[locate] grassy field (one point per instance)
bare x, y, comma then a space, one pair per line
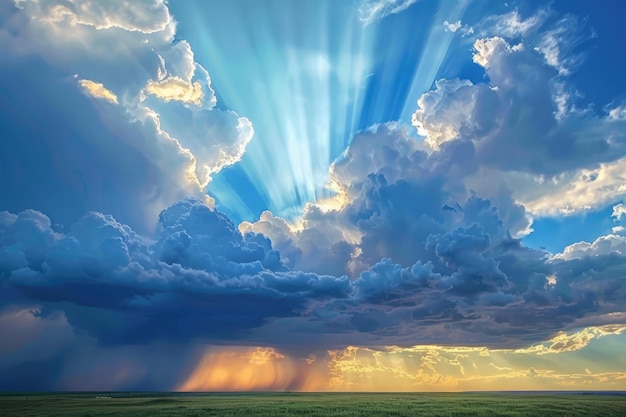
301, 404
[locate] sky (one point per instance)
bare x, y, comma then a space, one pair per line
312, 195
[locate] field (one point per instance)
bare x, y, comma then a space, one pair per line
307, 404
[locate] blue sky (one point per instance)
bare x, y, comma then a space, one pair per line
314, 193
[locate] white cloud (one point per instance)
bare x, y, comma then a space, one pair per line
147, 16
489, 51
175, 88
452, 27
618, 113
442, 113
618, 211
129, 47
604, 245
555, 39
372, 10
558, 45
516, 122
567, 193
98, 90
512, 24
549, 47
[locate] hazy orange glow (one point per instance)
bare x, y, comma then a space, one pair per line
250, 369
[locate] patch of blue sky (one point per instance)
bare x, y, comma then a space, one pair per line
434, 49
229, 189
602, 32
555, 233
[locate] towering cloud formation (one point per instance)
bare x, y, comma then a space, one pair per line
420, 245
429, 261
156, 102
525, 127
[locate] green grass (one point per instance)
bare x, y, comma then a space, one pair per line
306, 404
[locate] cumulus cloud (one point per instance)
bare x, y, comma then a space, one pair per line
441, 120
604, 245
164, 103
448, 255
570, 192
453, 265
200, 260
534, 140
421, 247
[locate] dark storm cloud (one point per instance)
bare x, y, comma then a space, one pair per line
432, 262
201, 278
436, 263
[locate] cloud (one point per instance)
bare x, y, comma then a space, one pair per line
618, 211
382, 174
47, 354
461, 368
175, 88
564, 342
604, 245
424, 248
201, 269
440, 121
421, 246
22, 327
513, 25
559, 45
570, 192
103, 267
452, 27
430, 262
617, 113
163, 121
147, 16
372, 10
98, 90
555, 157
429, 257
215, 138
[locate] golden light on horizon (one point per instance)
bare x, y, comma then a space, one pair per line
252, 369
559, 363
